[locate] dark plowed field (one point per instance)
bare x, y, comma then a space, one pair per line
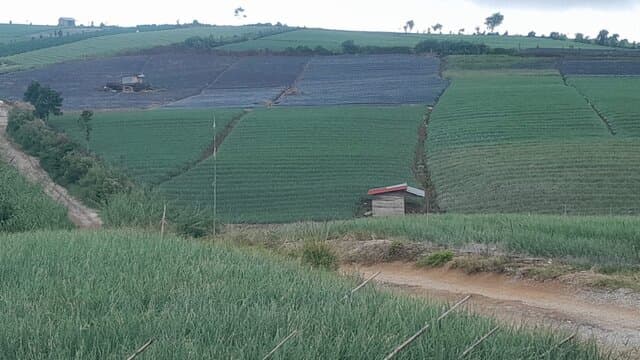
601, 67
374, 79
207, 80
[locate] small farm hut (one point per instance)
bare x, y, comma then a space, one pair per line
395, 200
66, 22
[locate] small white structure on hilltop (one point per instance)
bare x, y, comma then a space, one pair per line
66, 22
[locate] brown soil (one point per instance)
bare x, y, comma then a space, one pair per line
29, 167
611, 319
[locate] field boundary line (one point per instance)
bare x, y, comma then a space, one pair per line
211, 149
293, 86
608, 123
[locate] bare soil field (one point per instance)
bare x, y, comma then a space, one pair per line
202, 80
601, 67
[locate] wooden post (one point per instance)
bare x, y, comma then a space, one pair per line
142, 349
475, 344
361, 285
397, 350
163, 221
293, 333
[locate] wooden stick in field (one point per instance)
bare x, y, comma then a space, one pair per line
401, 347
475, 344
361, 285
567, 339
164, 220
293, 333
142, 349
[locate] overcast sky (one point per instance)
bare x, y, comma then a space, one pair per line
521, 16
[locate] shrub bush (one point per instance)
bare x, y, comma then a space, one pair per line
319, 254
435, 259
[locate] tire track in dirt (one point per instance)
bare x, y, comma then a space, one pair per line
29, 166
615, 324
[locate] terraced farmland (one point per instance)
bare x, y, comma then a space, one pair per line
601, 67
286, 164
527, 143
368, 79
333, 39
113, 44
21, 32
150, 145
617, 97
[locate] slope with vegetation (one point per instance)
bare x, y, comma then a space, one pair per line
102, 295
25, 207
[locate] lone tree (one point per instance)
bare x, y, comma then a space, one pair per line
45, 100
603, 37
494, 21
239, 12
408, 26
437, 27
84, 122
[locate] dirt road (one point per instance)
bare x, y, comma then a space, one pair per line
613, 319
29, 167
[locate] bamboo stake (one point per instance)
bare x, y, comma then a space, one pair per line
361, 285
470, 349
293, 333
164, 220
141, 350
397, 350
559, 344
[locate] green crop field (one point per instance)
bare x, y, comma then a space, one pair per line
25, 207
69, 295
332, 40
287, 164
113, 44
618, 97
21, 32
527, 143
149, 145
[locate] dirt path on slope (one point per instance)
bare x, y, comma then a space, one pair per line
614, 321
29, 167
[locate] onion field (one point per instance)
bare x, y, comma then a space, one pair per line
287, 164
25, 206
527, 143
149, 145
333, 39
617, 97
103, 294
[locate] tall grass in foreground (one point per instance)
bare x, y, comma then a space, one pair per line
24, 206
103, 294
588, 240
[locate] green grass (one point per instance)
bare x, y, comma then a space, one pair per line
332, 40
113, 44
582, 240
615, 96
288, 164
25, 207
491, 62
21, 32
508, 143
71, 295
149, 145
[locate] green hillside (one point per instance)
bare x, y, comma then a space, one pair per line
149, 145
288, 164
21, 32
527, 143
104, 294
333, 39
25, 207
113, 44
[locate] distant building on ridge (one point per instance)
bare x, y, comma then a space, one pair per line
66, 22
